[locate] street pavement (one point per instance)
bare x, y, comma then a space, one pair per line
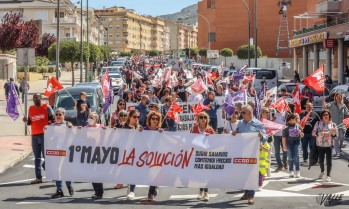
279, 191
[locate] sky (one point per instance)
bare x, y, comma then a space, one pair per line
147, 7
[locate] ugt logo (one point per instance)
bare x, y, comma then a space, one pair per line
329, 199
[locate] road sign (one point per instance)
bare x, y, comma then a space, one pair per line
26, 56
213, 54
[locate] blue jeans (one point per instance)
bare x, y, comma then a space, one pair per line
81, 122
173, 129
278, 147
203, 189
38, 150
293, 154
307, 140
59, 184
23, 96
213, 123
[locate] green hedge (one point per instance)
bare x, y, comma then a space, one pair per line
37, 69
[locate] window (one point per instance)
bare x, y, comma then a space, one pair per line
110, 35
42, 15
110, 19
212, 36
110, 27
117, 34
117, 19
61, 14
117, 27
105, 35
103, 19
110, 42
67, 34
105, 43
211, 4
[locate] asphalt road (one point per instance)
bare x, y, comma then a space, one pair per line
279, 192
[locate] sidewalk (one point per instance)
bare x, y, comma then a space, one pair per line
14, 145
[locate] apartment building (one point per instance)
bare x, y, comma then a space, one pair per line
45, 12
167, 46
128, 31
182, 36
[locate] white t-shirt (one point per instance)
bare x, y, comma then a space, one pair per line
231, 126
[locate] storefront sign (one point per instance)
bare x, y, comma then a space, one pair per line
320, 37
329, 43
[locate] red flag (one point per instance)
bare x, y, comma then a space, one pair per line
304, 120
173, 112
281, 105
271, 127
248, 79
53, 86
209, 81
198, 87
199, 107
346, 122
316, 80
105, 84
296, 99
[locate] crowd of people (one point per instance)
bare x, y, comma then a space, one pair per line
319, 133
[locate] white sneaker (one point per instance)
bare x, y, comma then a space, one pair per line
291, 174
200, 195
259, 189
269, 172
206, 197
130, 196
321, 175
297, 174
328, 179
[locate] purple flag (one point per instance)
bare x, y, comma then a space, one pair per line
109, 100
238, 77
12, 102
261, 93
228, 109
239, 96
243, 70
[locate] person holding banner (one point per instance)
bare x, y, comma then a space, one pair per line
120, 105
92, 121
153, 124
202, 127
325, 132
122, 119
339, 112
39, 116
249, 124
83, 108
232, 124
59, 121
291, 137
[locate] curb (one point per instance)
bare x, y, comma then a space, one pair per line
19, 158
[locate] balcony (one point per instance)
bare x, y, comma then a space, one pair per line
332, 23
65, 20
69, 38
327, 6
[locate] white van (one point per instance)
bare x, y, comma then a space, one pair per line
271, 77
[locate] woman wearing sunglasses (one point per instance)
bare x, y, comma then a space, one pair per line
59, 121
325, 132
233, 123
154, 119
121, 105
202, 127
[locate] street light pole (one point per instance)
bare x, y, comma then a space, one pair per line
81, 35
255, 34
209, 30
57, 44
249, 32
88, 47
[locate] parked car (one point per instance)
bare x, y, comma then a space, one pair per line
119, 63
271, 76
66, 97
117, 81
111, 69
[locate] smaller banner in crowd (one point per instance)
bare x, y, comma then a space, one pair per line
151, 158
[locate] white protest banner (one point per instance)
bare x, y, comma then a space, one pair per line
172, 159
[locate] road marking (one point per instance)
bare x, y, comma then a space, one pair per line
273, 193
20, 181
189, 196
63, 200
28, 166
123, 198
302, 187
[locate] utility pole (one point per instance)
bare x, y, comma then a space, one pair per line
255, 35
88, 47
81, 36
249, 33
57, 44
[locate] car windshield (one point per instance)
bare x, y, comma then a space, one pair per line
118, 63
268, 74
111, 70
115, 76
64, 100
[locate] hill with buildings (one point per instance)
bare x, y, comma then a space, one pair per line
187, 15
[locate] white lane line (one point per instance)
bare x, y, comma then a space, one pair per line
189, 196
28, 166
20, 181
273, 193
123, 198
302, 187
63, 200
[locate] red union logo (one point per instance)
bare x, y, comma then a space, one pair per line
56, 152
245, 161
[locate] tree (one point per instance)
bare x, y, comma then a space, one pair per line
125, 54
47, 41
153, 53
203, 52
95, 53
193, 52
226, 52
41, 61
242, 52
15, 33
105, 51
69, 52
